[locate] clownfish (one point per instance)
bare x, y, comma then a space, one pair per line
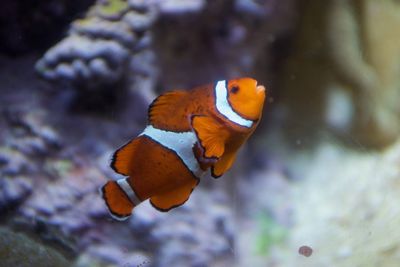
188, 132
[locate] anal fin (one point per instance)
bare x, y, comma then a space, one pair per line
172, 199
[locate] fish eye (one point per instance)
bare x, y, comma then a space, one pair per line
234, 89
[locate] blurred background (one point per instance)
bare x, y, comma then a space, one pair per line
321, 172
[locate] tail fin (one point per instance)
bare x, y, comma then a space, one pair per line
117, 201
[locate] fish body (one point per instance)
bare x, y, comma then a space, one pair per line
188, 133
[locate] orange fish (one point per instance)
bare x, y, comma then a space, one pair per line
188, 133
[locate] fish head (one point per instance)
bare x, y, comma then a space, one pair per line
246, 97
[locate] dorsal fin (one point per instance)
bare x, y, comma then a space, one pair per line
166, 111
211, 135
122, 157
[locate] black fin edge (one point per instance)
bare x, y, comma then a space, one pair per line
119, 217
114, 157
172, 207
213, 174
199, 141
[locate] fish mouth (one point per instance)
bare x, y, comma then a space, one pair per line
260, 88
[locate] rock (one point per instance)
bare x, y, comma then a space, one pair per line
116, 256
16, 249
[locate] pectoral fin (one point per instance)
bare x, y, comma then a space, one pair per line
223, 164
211, 135
172, 199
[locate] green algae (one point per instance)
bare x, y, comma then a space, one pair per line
113, 7
59, 168
270, 233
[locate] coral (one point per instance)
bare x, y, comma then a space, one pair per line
100, 48
28, 134
26, 138
134, 43
179, 7
13, 191
113, 7
65, 203
341, 51
204, 224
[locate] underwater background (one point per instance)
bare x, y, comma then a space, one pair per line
318, 184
